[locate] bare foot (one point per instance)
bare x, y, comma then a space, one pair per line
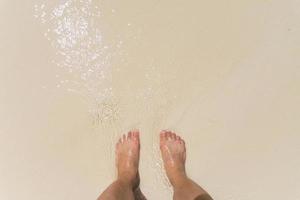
174, 155
127, 159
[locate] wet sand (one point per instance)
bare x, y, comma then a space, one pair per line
225, 76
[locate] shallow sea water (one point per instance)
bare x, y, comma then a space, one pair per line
76, 74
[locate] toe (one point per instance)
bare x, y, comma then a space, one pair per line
163, 138
129, 135
163, 135
136, 135
183, 142
168, 135
173, 136
123, 138
118, 144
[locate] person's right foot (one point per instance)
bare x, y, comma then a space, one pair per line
173, 154
127, 158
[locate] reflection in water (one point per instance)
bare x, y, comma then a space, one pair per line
71, 27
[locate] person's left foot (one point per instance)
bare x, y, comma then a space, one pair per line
127, 158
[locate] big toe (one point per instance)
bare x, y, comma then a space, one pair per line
164, 136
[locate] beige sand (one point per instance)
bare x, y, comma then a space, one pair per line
224, 75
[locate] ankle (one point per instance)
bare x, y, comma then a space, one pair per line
178, 179
129, 179
125, 181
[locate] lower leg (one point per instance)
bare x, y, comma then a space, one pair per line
186, 189
122, 190
138, 195
118, 190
